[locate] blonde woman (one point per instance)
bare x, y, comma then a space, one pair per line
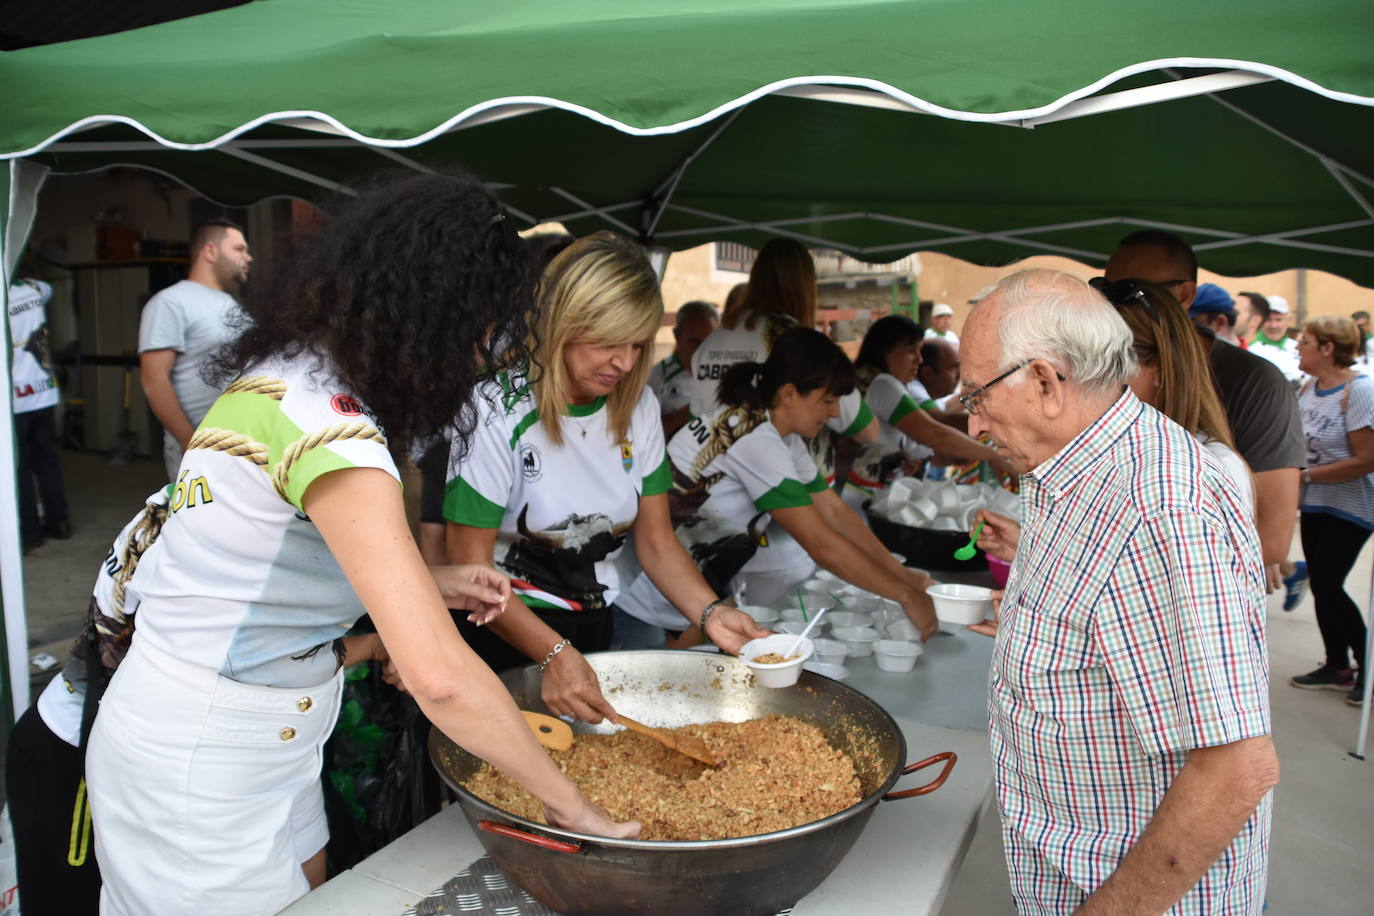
568, 460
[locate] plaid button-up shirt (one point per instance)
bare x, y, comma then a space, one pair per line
1131, 630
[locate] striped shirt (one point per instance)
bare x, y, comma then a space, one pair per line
1326, 424
1131, 630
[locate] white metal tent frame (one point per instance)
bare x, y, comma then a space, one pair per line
836, 89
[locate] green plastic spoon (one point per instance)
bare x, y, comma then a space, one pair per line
968, 550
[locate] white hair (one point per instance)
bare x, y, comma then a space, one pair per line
1055, 316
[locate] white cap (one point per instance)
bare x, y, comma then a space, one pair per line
940, 310
1278, 304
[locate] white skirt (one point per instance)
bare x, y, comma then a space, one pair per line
205, 792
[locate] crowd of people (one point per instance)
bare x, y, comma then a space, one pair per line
579, 495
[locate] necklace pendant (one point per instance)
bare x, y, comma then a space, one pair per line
584, 434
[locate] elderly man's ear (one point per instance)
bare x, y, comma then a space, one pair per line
1049, 388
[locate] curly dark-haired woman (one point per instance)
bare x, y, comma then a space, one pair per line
287, 524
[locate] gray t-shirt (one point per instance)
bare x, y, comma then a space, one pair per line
193, 320
1260, 407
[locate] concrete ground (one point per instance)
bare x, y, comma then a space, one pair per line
1322, 851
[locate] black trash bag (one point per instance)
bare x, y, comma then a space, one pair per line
378, 782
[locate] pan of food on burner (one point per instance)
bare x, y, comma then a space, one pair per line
802, 770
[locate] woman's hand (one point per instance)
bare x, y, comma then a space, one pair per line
473, 587
593, 819
570, 688
730, 628
989, 627
1000, 535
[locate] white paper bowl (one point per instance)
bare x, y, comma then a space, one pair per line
794, 627
860, 640
829, 651
847, 619
793, 616
780, 674
834, 672
965, 604
903, 629
761, 615
896, 654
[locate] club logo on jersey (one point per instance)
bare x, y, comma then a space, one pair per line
627, 455
531, 463
346, 405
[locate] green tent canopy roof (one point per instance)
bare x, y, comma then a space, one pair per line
987, 129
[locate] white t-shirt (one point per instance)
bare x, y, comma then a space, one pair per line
562, 512
724, 347
1234, 466
1284, 355
890, 402
61, 704
729, 470
947, 335
240, 580
671, 383
1326, 427
193, 320
31, 370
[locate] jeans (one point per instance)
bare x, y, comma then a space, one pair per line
35, 432
1331, 545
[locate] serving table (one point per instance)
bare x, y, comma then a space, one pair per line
904, 862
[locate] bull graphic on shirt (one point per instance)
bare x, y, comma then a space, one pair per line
561, 558
37, 346
717, 546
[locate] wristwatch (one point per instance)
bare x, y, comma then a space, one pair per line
1306, 476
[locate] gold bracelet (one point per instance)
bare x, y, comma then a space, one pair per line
552, 652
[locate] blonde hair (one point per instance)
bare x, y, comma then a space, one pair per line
600, 290
1339, 331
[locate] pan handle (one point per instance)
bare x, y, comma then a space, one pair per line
949, 756
533, 839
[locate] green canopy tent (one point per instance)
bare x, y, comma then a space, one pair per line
987, 129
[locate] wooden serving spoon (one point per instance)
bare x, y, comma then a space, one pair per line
557, 735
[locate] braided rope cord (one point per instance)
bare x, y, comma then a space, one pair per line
266, 385
238, 445
140, 538
342, 432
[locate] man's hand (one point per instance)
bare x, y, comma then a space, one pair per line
1000, 535
1273, 578
730, 628
989, 627
570, 688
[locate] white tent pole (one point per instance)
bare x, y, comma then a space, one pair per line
1358, 752
303, 175
664, 192
591, 210
1338, 174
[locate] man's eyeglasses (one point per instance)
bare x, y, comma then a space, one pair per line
974, 397
1122, 293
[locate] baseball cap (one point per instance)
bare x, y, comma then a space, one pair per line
941, 309
1211, 299
1278, 304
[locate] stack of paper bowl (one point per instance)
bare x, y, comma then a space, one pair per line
897, 655
859, 640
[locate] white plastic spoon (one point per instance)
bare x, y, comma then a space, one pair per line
802, 635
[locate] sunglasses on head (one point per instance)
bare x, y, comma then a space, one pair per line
1122, 293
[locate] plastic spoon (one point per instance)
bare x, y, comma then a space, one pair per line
802, 635
968, 550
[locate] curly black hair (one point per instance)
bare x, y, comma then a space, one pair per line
412, 293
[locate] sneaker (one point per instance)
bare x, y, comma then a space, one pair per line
1325, 678
1293, 586
1356, 696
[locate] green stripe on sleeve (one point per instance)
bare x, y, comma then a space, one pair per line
660, 480
818, 485
929, 404
905, 406
465, 506
787, 495
864, 418
525, 423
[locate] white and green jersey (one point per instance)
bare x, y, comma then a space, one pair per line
730, 470
562, 512
240, 580
890, 402
671, 383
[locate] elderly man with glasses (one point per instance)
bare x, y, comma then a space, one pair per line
1128, 694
